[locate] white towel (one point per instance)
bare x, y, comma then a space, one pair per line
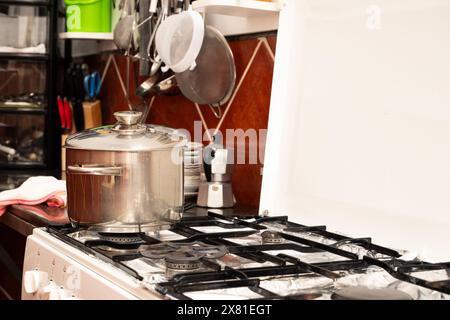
36, 190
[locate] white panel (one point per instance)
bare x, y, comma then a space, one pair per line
359, 126
63, 263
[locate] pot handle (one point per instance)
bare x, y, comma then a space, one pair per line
95, 170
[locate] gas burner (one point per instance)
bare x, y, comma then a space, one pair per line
365, 293
197, 249
158, 251
271, 237
123, 238
182, 261
124, 244
207, 251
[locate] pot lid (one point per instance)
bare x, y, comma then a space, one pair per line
126, 135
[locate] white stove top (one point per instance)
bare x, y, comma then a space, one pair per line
80, 264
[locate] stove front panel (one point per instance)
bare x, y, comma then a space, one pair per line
53, 270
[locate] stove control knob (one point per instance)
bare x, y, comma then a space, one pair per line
45, 291
60, 294
33, 280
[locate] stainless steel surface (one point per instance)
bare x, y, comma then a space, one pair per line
192, 170
128, 117
156, 65
216, 110
95, 170
215, 195
215, 190
213, 79
166, 85
145, 88
365, 293
182, 261
124, 138
151, 87
122, 179
148, 194
123, 32
271, 237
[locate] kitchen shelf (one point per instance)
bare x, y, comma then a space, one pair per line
25, 3
24, 56
39, 77
236, 7
237, 17
23, 165
86, 35
23, 110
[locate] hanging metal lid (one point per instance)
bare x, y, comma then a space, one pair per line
126, 135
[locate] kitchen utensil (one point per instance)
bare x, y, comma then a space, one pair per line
75, 92
166, 86
156, 65
153, 56
145, 90
197, 54
146, 87
62, 114
215, 61
145, 17
123, 32
68, 113
65, 113
9, 152
179, 40
92, 85
126, 177
150, 87
215, 190
192, 170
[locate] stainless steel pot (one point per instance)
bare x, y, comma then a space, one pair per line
125, 178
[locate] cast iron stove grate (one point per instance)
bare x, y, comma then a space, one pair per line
284, 265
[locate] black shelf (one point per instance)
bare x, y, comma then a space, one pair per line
24, 56
24, 110
23, 165
26, 3
52, 132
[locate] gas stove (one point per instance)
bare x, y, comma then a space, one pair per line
225, 257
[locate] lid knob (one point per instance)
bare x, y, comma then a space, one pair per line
128, 118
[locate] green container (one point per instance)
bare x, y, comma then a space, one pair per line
88, 15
